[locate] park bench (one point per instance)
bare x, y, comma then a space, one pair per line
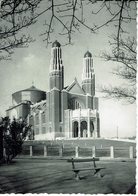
76, 170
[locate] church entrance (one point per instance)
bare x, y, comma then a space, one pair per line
83, 131
75, 129
91, 128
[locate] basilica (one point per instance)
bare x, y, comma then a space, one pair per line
61, 112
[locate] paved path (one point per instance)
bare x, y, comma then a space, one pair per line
55, 176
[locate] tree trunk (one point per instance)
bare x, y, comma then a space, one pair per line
1, 143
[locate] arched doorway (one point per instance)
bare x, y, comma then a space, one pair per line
83, 132
91, 128
75, 129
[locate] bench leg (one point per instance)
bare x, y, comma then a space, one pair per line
77, 177
97, 173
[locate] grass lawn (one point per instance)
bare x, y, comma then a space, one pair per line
104, 143
121, 148
55, 176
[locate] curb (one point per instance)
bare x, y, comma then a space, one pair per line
119, 159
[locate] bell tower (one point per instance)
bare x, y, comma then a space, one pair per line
88, 76
56, 75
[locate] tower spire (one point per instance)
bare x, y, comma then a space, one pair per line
88, 76
56, 67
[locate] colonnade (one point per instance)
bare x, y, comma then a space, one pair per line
84, 123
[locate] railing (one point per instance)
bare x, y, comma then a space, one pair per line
76, 151
83, 113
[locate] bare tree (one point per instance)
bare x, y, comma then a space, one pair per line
126, 69
70, 15
15, 16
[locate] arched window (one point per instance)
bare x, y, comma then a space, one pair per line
91, 128
74, 103
77, 105
31, 120
75, 129
36, 131
43, 117
37, 119
43, 130
83, 129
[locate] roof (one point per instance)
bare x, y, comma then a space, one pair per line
87, 54
14, 106
75, 87
56, 44
32, 88
65, 87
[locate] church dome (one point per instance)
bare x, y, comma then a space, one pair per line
31, 94
56, 44
32, 88
87, 54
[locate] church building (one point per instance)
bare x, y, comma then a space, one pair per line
61, 112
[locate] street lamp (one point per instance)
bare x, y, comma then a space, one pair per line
117, 132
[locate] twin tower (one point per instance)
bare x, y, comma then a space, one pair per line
65, 112
57, 71
71, 111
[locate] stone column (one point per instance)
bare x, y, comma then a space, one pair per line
70, 134
70, 124
40, 122
79, 123
96, 135
77, 151
79, 127
34, 114
88, 124
71, 129
131, 152
93, 151
95, 128
111, 152
31, 151
61, 151
45, 151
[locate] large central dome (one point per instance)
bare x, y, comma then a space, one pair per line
56, 44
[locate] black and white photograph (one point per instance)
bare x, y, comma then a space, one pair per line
68, 72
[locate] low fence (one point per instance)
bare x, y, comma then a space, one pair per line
61, 151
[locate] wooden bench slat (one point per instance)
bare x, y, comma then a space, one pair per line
83, 169
83, 159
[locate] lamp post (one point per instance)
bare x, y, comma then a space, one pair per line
117, 132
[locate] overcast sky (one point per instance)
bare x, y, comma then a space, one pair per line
32, 64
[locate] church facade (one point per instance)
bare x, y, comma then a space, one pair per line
62, 112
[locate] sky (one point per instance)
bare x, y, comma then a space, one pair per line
32, 65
